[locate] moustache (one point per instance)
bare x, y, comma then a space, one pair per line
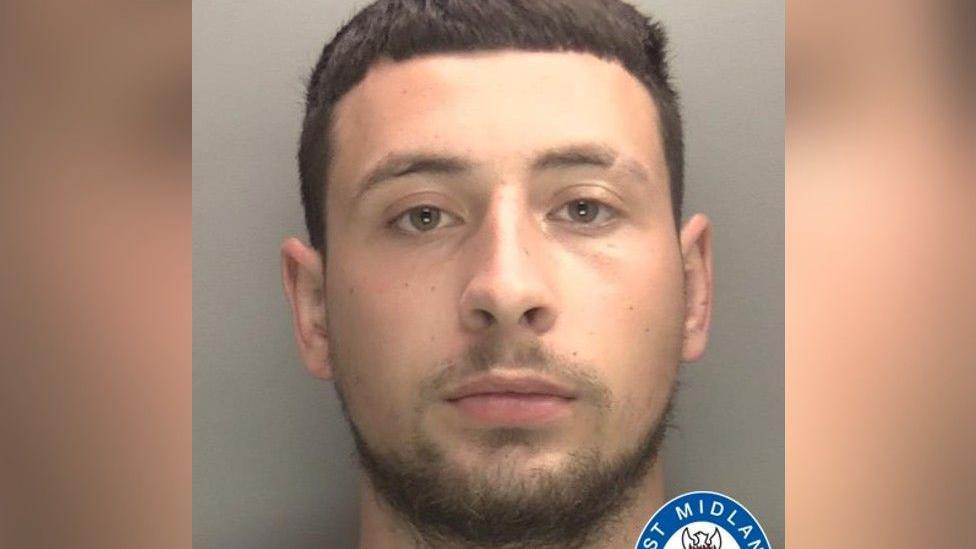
529, 356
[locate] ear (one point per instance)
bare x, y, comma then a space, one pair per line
696, 249
301, 272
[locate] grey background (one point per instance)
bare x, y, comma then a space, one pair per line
272, 459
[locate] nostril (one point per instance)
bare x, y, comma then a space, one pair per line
539, 319
532, 316
484, 317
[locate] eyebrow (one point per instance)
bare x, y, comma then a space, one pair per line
572, 156
400, 164
595, 155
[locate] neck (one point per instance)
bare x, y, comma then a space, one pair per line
382, 528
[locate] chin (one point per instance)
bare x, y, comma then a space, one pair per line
517, 459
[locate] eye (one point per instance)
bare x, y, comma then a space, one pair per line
423, 219
585, 211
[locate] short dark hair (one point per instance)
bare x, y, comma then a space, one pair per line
402, 29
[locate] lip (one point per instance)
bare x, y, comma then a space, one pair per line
512, 399
510, 384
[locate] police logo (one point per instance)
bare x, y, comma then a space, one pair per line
701, 540
702, 520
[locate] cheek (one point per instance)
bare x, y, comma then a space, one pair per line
624, 311
626, 296
648, 348
394, 312
386, 328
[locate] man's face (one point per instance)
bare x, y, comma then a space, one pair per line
503, 279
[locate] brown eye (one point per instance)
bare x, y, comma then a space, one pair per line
422, 219
583, 211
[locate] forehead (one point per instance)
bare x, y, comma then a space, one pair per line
494, 106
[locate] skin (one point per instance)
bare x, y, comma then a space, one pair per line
95, 233
879, 270
624, 296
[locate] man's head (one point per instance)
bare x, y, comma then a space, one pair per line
504, 302
398, 30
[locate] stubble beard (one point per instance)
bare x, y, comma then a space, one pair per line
503, 506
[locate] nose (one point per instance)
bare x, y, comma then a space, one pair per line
508, 282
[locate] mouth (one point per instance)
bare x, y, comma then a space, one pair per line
512, 399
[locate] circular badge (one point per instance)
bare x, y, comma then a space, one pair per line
702, 520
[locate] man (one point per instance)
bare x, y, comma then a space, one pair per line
498, 280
